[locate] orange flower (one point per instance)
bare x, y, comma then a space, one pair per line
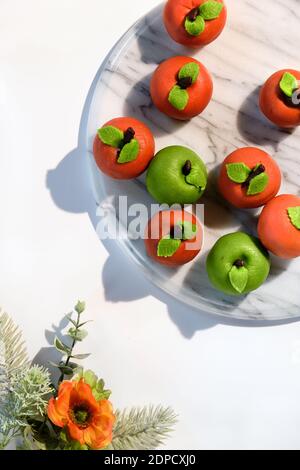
86, 420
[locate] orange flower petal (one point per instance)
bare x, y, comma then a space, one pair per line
82, 393
106, 407
85, 393
89, 436
62, 403
100, 440
55, 417
75, 433
103, 422
95, 439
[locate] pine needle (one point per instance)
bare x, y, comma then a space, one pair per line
142, 428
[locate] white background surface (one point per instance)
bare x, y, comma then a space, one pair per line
233, 385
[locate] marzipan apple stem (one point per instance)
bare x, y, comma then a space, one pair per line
185, 82
239, 263
128, 135
192, 16
255, 172
187, 168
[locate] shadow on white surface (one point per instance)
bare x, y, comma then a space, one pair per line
254, 127
71, 190
47, 355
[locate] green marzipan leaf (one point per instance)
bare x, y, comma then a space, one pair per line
288, 84
294, 215
258, 184
189, 230
211, 10
189, 70
239, 278
196, 178
129, 152
178, 98
167, 247
195, 28
112, 136
238, 172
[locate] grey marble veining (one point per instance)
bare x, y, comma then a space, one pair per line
260, 38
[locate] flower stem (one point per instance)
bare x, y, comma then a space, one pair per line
69, 356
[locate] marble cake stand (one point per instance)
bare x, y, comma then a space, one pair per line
260, 37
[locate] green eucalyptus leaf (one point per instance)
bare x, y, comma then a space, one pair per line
84, 323
211, 10
258, 184
80, 356
72, 365
129, 152
294, 215
61, 347
196, 178
111, 135
191, 70
239, 278
66, 370
80, 307
53, 364
69, 317
195, 28
238, 172
78, 335
189, 230
178, 98
167, 247
288, 84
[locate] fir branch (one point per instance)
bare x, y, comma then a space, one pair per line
142, 428
13, 355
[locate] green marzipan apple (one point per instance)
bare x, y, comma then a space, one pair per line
238, 264
176, 175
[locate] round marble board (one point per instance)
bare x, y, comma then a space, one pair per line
260, 38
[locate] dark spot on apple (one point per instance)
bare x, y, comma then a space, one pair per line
254, 172
239, 263
187, 168
192, 16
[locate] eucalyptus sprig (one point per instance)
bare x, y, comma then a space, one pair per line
77, 334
